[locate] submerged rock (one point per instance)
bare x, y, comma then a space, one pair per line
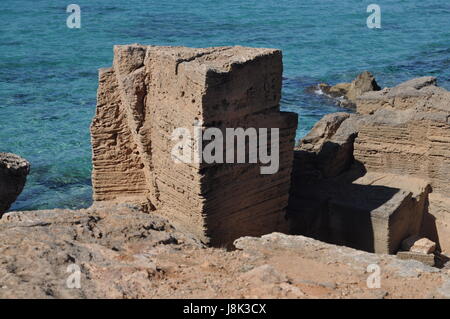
13, 175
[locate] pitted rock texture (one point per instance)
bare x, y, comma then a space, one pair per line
148, 93
124, 253
408, 133
13, 175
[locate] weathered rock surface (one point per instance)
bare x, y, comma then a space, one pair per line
312, 257
329, 152
149, 92
13, 175
421, 245
427, 259
124, 253
407, 142
414, 142
438, 221
364, 82
421, 249
372, 213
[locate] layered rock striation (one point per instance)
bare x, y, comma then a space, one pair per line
150, 92
371, 179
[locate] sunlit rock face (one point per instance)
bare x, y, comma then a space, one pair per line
150, 92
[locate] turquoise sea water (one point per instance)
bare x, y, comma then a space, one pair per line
48, 72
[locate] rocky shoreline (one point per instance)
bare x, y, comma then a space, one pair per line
367, 183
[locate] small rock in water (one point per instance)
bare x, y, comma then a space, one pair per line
13, 175
265, 274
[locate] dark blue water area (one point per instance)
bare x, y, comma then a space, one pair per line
48, 72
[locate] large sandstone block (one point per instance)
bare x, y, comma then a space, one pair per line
151, 91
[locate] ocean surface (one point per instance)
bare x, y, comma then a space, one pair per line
48, 72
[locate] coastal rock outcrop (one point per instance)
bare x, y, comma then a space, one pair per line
421, 94
347, 94
392, 157
111, 246
13, 175
152, 91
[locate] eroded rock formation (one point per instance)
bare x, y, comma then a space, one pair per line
372, 179
13, 175
151, 91
123, 253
